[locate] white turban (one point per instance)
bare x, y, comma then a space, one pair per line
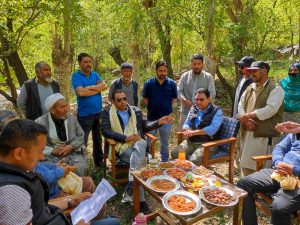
52, 99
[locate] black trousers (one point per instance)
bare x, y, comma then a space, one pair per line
284, 204
88, 124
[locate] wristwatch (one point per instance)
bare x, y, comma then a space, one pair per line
69, 202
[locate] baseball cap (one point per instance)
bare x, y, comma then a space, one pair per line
259, 65
245, 61
126, 65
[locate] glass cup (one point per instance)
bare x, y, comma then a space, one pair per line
181, 154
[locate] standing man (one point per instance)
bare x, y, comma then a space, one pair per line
159, 94
125, 83
34, 92
88, 86
260, 109
190, 82
244, 82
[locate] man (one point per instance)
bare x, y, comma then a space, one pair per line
244, 82
260, 109
23, 195
88, 86
125, 83
202, 123
159, 94
31, 100
65, 138
125, 124
285, 160
190, 82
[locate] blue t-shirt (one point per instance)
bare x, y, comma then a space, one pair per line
160, 97
87, 105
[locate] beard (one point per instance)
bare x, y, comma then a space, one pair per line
48, 79
197, 71
161, 77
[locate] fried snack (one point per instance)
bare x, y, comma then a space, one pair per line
184, 164
286, 182
146, 174
178, 203
162, 185
218, 196
201, 170
165, 165
176, 173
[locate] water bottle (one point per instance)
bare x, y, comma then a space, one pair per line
140, 219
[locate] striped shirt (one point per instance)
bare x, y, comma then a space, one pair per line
15, 206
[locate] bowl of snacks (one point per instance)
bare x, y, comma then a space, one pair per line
165, 165
219, 196
177, 173
202, 171
184, 164
181, 202
147, 173
163, 184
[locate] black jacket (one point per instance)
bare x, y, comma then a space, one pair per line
33, 103
43, 214
142, 125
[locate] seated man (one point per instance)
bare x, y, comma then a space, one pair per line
65, 139
285, 160
22, 193
201, 126
125, 124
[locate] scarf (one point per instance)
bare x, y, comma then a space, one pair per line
291, 87
129, 129
53, 133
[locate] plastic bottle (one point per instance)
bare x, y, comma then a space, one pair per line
140, 219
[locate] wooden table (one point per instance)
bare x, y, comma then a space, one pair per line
206, 209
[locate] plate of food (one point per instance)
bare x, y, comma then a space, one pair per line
201, 170
193, 182
184, 164
219, 196
163, 184
148, 173
177, 173
181, 202
165, 165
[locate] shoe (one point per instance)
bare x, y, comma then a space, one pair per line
128, 195
144, 208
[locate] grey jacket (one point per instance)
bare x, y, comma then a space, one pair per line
75, 132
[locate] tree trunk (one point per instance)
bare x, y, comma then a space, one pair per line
115, 53
62, 53
225, 84
135, 52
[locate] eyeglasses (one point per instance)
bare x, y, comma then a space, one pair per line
199, 99
121, 99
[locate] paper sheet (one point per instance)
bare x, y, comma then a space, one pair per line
89, 208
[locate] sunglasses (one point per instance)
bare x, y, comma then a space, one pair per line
199, 99
121, 99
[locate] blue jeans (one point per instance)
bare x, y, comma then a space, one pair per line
88, 124
164, 133
109, 221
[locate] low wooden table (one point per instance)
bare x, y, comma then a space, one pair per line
206, 209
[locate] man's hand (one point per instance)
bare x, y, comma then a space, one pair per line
285, 168
81, 222
165, 120
288, 127
67, 149
61, 163
56, 151
67, 170
76, 199
133, 138
247, 116
189, 133
250, 125
187, 103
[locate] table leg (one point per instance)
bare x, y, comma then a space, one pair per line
237, 212
136, 197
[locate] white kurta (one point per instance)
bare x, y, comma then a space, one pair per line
250, 145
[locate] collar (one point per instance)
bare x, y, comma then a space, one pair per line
125, 83
255, 86
83, 74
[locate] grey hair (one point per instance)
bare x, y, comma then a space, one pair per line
38, 65
6, 115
